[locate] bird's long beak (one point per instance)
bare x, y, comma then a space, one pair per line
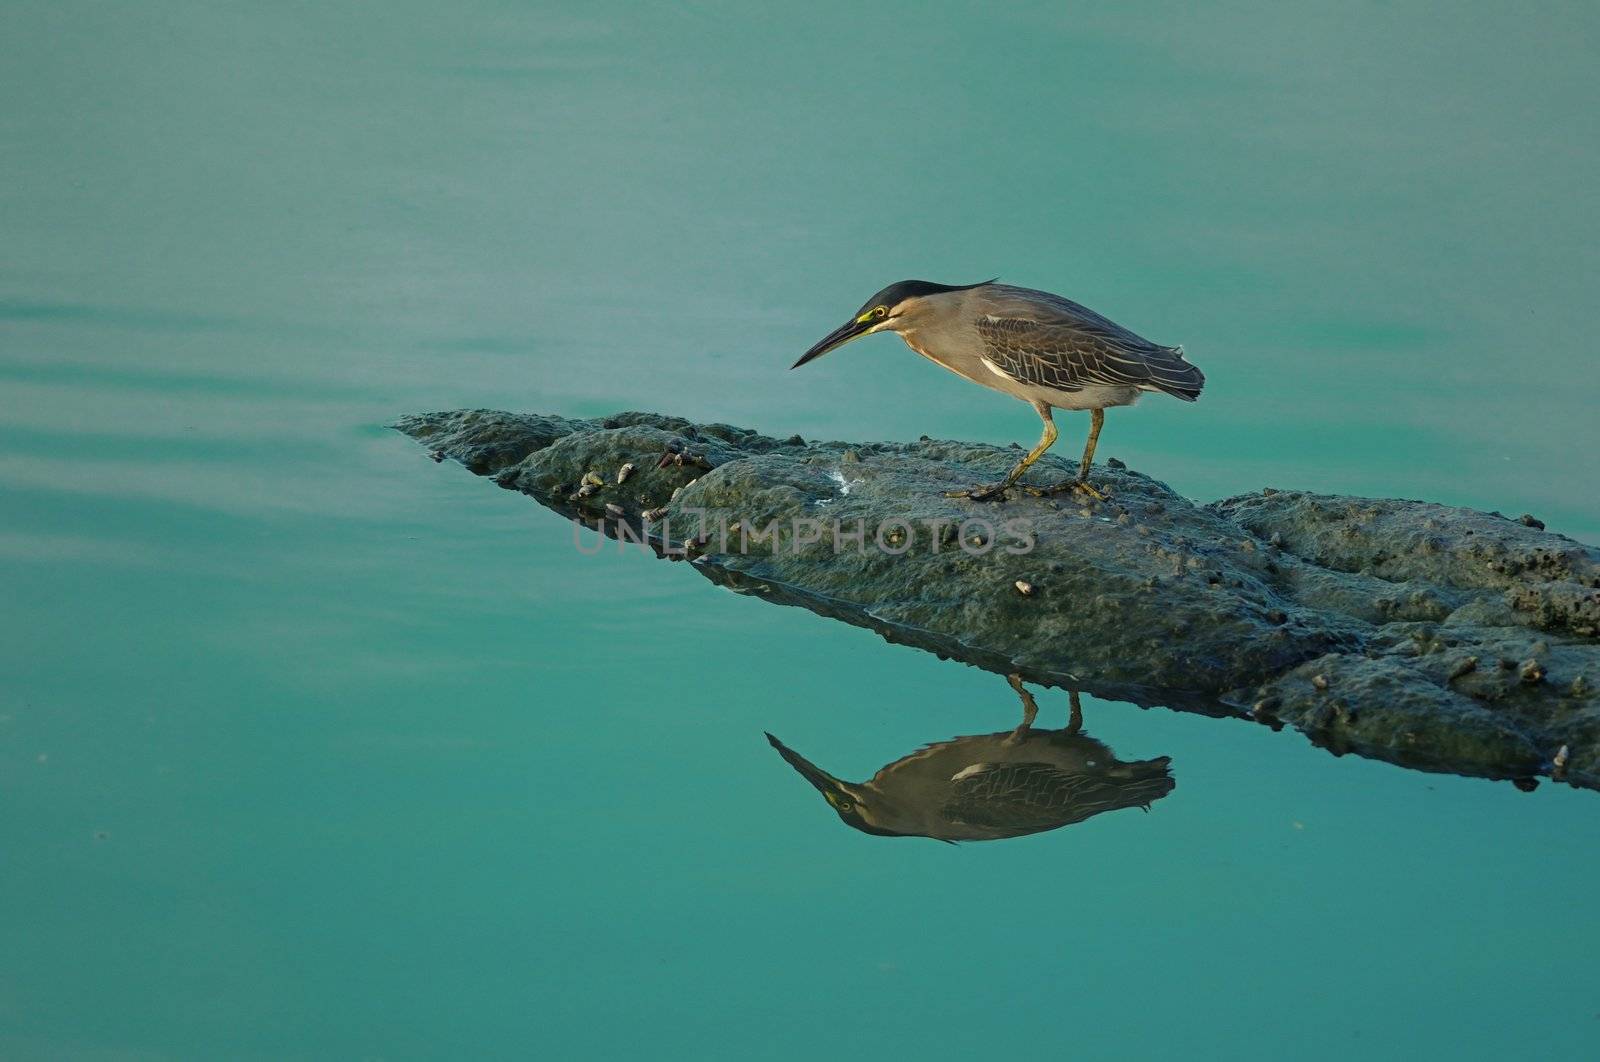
836, 338
826, 784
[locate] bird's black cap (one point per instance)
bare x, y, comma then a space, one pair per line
915, 289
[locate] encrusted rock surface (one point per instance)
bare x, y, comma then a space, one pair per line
1436, 637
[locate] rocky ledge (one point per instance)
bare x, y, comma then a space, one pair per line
1435, 637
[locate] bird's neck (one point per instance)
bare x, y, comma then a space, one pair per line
910, 336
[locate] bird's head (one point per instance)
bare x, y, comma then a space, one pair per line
851, 802
889, 309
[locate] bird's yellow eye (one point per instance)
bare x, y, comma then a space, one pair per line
844, 805
881, 312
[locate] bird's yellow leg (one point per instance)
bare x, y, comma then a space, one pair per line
1030, 708
998, 490
1097, 419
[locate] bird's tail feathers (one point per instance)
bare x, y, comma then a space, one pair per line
1175, 376
1145, 781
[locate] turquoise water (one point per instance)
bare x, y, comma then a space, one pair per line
310, 748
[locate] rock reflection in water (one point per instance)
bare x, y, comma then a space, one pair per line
990, 786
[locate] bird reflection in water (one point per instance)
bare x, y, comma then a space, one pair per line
989, 786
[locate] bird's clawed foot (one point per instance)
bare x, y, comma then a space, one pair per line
1072, 486
992, 492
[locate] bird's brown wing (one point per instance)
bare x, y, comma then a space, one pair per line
1017, 798
1068, 357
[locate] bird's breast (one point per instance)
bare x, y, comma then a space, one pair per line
961, 359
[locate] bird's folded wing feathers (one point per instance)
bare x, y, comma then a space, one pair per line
1024, 796
1069, 356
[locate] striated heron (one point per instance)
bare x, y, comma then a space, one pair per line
991, 786
1046, 350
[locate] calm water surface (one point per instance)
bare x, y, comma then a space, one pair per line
310, 748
